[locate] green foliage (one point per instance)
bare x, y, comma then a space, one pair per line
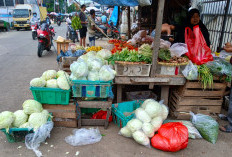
165, 54
76, 23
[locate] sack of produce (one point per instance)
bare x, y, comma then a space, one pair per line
207, 126
171, 137
190, 72
178, 49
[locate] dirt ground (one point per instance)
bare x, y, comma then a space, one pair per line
19, 64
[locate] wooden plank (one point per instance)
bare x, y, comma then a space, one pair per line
150, 80
95, 104
119, 93
64, 115
165, 94
212, 109
61, 107
199, 85
200, 102
197, 93
93, 122
68, 124
158, 28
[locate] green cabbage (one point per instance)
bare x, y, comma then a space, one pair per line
61, 73
104, 53
37, 119
32, 106
125, 131
106, 73
52, 83
20, 118
134, 125
164, 113
146, 102
6, 119
153, 109
62, 82
148, 129
49, 74
94, 64
141, 138
93, 76
156, 122
142, 115
38, 82
45, 112
79, 69
25, 125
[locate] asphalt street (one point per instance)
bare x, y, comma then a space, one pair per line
19, 64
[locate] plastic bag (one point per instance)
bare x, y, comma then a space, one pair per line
198, 51
190, 72
220, 67
193, 132
101, 115
207, 126
33, 140
178, 49
144, 2
84, 136
164, 44
171, 137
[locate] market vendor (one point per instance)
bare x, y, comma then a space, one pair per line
228, 128
193, 19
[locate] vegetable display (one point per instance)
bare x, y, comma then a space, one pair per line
148, 119
165, 54
76, 23
205, 76
93, 48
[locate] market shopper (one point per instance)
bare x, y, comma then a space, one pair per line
228, 128
68, 22
104, 18
84, 23
92, 28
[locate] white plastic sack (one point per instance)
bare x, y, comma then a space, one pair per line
191, 71
178, 49
164, 44
144, 2
84, 136
33, 140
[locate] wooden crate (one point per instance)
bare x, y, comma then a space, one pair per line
67, 61
132, 69
94, 104
62, 46
63, 115
194, 89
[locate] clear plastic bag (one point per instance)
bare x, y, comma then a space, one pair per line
33, 140
220, 67
191, 71
178, 49
84, 136
144, 2
207, 126
164, 44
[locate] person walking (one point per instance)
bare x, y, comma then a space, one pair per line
84, 23
92, 28
68, 22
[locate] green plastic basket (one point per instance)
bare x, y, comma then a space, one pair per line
51, 95
91, 89
18, 134
118, 109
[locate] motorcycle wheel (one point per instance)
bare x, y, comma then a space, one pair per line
33, 35
40, 49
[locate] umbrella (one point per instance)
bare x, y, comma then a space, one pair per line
53, 13
94, 8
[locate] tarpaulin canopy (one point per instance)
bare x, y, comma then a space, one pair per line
130, 3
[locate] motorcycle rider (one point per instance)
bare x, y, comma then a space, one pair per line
34, 19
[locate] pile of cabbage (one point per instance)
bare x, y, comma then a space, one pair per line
32, 116
93, 67
52, 79
149, 118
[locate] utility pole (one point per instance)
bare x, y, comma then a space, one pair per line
54, 5
65, 3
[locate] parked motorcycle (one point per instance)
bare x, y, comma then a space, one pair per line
45, 37
114, 33
34, 28
72, 34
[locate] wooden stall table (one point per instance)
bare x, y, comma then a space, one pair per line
163, 80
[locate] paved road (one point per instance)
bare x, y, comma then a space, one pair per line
19, 64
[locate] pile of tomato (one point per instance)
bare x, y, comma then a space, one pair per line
119, 45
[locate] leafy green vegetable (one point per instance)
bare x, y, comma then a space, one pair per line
76, 23
165, 54
205, 76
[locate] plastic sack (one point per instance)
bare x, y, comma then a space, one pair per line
84, 136
101, 115
171, 137
144, 2
190, 72
192, 131
198, 51
207, 126
33, 140
220, 67
164, 44
178, 49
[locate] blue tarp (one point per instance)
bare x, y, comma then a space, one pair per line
130, 3
114, 16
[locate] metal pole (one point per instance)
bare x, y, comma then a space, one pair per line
54, 5
224, 23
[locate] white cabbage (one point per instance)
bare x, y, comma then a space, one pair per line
62, 82
146, 102
79, 69
46, 113
164, 113
104, 53
141, 138
6, 119
25, 125
142, 115
38, 82
106, 73
37, 119
125, 131
32, 106
156, 122
52, 83
61, 73
153, 108
20, 118
134, 125
94, 64
49, 74
93, 76
148, 129
91, 54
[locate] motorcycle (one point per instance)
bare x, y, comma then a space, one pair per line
72, 34
34, 28
114, 33
45, 37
